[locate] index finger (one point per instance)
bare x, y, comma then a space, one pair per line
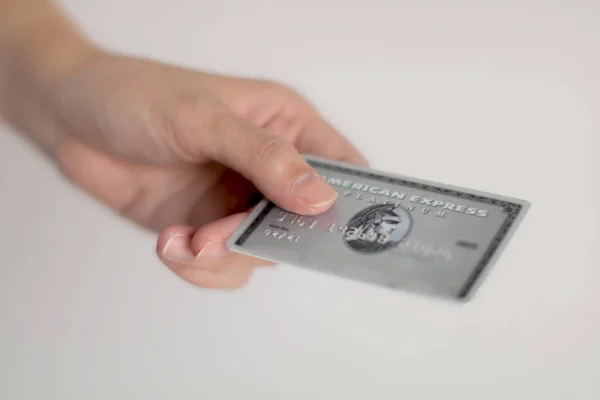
321, 139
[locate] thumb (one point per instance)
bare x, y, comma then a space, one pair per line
271, 163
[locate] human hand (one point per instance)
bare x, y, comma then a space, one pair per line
185, 153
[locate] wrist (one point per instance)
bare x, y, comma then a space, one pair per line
38, 42
39, 47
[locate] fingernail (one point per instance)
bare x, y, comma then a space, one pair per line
213, 249
313, 191
177, 248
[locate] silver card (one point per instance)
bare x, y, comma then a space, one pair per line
389, 230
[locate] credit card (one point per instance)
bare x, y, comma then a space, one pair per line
390, 230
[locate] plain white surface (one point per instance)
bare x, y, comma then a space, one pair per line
498, 97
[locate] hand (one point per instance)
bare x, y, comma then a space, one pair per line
184, 152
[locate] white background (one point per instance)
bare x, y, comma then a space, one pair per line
498, 97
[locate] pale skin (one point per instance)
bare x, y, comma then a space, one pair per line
184, 153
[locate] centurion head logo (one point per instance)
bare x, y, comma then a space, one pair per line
377, 228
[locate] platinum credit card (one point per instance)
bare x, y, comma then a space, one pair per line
390, 230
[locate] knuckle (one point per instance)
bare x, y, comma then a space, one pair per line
191, 121
208, 283
224, 281
277, 159
197, 276
269, 149
278, 90
241, 279
296, 104
282, 89
216, 120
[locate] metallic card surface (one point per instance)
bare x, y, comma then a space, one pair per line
389, 230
